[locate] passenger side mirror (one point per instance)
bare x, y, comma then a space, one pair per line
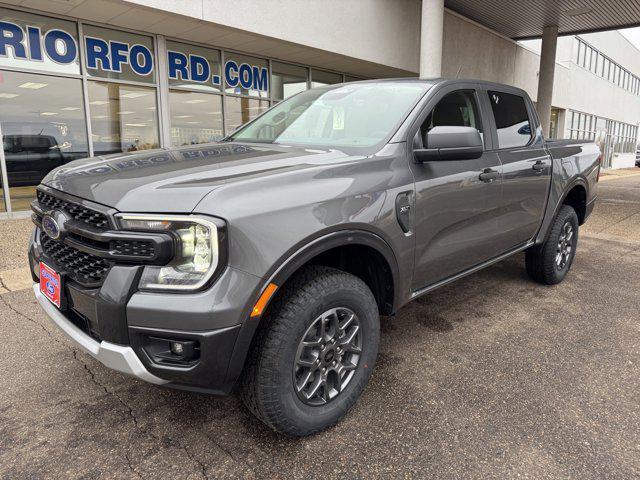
450, 143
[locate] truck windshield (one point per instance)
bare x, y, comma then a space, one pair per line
352, 115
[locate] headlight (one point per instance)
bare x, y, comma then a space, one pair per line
197, 250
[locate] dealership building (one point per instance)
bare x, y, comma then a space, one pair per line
92, 77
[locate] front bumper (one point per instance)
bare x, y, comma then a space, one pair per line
117, 357
117, 324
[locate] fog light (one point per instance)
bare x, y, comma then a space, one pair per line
184, 349
169, 351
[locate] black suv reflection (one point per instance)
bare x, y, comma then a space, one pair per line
30, 157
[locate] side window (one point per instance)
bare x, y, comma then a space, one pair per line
512, 119
457, 109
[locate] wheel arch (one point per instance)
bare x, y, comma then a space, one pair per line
304, 254
576, 197
318, 251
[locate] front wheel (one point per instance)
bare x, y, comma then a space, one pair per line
550, 262
314, 353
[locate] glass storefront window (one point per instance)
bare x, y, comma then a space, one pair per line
123, 117
287, 80
193, 67
42, 128
114, 54
195, 117
239, 110
320, 78
246, 75
57, 42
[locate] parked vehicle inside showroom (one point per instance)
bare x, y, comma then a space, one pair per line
264, 261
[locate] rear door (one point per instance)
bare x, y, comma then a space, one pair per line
526, 167
455, 209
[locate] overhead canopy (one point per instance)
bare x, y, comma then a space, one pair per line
520, 20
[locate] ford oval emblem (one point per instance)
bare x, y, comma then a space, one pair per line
51, 227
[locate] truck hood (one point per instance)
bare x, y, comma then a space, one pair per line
175, 180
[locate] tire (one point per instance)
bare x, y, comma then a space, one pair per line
542, 261
274, 363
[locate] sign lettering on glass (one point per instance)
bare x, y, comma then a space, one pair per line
31, 44
196, 68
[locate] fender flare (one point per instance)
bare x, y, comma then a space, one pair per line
577, 182
546, 223
288, 264
298, 256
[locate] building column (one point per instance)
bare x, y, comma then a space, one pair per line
431, 29
4, 178
546, 76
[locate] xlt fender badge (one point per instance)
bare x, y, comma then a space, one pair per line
403, 211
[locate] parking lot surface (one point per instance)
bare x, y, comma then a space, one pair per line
491, 377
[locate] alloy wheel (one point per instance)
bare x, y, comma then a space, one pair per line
327, 356
565, 246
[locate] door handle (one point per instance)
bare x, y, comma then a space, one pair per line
539, 166
489, 175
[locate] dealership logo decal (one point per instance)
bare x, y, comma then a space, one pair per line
31, 44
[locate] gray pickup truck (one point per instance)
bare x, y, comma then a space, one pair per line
264, 261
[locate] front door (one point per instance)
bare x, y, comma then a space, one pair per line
456, 201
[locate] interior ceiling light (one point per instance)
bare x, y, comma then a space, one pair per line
70, 109
184, 116
578, 11
33, 85
135, 124
125, 112
197, 100
98, 102
48, 114
9, 95
134, 95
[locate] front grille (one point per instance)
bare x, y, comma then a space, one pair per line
78, 212
134, 248
81, 267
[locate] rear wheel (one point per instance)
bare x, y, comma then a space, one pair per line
314, 353
550, 262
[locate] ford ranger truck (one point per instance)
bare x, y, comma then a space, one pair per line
264, 261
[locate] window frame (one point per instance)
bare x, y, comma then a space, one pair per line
534, 122
471, 94
430, 100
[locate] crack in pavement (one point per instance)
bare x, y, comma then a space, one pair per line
130, 465
130, 413
228, 452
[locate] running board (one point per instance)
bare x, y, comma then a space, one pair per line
457, 276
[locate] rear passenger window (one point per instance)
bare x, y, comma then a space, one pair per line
457, 109
512, 119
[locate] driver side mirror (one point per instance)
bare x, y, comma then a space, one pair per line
450, 143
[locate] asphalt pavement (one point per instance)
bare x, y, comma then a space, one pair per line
491, 377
